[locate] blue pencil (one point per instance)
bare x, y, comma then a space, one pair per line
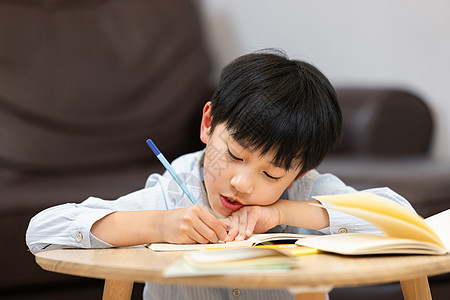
169, 168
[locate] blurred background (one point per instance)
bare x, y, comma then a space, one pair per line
368, 43
83, 84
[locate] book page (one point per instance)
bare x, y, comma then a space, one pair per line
364, 244
441, 224
392, 226
196, 247
253, 240
391, 218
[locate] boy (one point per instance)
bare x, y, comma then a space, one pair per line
270, 123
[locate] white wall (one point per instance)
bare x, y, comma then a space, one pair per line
385, 42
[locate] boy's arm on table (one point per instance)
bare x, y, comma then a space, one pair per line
192, 224
65, 226
301, 214
328, 184
69, 225
259, 219
329, 221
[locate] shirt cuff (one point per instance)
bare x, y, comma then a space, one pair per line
83, 236
344, 223
98, 243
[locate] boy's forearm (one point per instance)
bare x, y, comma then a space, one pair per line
302, 214
127, 228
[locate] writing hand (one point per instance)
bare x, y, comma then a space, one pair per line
193, 224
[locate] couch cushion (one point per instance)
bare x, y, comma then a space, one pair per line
85, 83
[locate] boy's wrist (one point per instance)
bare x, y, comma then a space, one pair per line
153, 225
157, 233
301, 214
279, 210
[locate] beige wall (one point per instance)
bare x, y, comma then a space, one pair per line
385, 42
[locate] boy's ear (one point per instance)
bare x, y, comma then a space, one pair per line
205, 126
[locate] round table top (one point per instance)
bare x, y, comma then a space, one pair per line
140, 264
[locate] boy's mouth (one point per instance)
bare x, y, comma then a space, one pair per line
230, 203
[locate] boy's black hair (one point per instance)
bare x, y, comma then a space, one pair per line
272, 104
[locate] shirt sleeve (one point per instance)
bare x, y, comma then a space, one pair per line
69, 225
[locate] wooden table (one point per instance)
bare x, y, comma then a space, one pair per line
316, 276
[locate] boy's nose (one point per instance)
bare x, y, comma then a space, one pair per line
242, 183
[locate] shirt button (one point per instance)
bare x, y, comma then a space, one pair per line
236, 293
79, 237
342, 230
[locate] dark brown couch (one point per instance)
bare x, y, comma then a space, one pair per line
387, 141
83, 84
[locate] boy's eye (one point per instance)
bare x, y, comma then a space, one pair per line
234, 156
272, 177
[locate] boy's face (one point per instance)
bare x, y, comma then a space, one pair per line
234, 176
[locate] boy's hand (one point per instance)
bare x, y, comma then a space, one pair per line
251, 219
193, 224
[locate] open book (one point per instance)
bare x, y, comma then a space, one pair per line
255, 239
404, 231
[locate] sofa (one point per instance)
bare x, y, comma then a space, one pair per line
84, 83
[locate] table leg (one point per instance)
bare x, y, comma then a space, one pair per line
117, 290
416, 289
311, 296
310, 292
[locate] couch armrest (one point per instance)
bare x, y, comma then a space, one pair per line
383, 122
